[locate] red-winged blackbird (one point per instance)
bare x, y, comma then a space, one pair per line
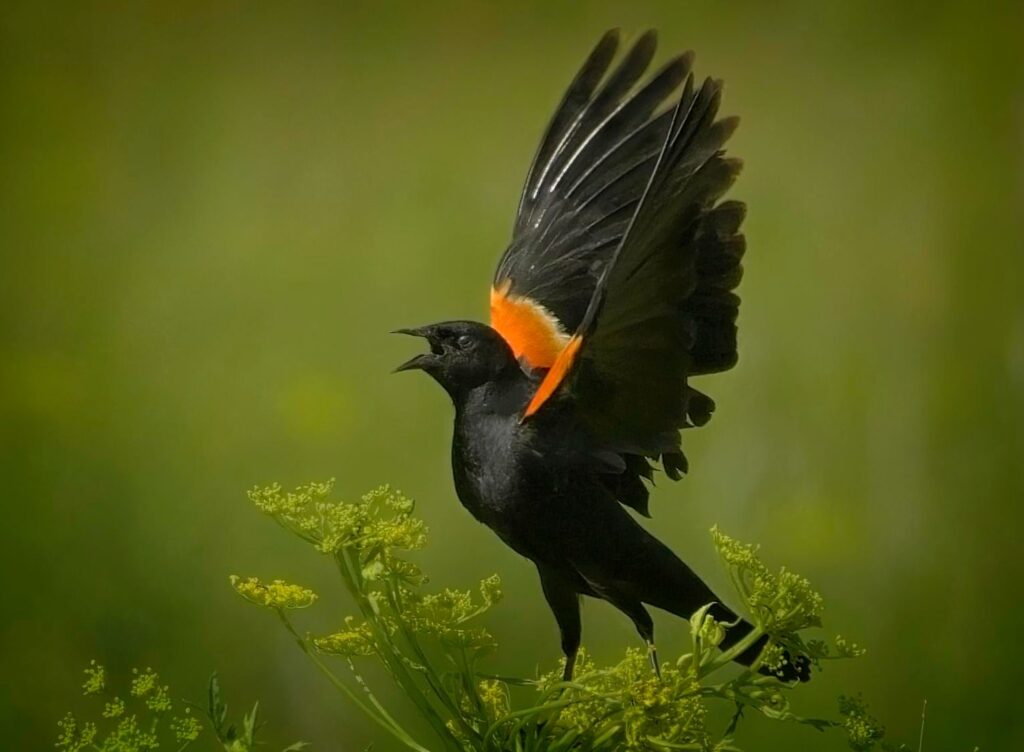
616, 288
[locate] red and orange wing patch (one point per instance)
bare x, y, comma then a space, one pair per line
555, 375
536, 336
531, 330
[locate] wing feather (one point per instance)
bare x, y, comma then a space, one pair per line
663, 309
618, 282
573, 103
588, 175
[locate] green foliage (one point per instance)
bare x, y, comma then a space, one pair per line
142, 719
432, 643
236, 737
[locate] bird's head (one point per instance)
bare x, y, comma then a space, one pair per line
463, 354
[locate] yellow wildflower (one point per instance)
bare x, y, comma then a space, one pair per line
143, 683
72, 738
494, 696
114, 708
780, 603
862, 730
277, 594
846, 649
186, 728
95, 679
355, 639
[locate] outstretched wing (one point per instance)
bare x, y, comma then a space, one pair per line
663, 308
587, 177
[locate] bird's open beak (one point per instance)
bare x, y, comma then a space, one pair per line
423, 361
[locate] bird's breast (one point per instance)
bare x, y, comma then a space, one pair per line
487, 464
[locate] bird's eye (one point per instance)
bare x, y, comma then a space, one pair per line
464, 341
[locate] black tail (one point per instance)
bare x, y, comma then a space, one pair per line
672, 586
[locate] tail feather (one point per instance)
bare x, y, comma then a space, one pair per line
671, 585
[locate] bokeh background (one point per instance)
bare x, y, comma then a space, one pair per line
213, 212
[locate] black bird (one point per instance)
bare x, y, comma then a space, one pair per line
616, 288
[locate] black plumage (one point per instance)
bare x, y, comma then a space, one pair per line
617, 287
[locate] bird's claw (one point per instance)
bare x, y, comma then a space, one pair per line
652, 653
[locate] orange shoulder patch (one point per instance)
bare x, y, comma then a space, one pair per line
530, 329
555, 376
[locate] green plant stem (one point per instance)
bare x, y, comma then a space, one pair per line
379, 715
429, 672
662, 744
727, 656
469, 680
492, 729
391, 656
366, 690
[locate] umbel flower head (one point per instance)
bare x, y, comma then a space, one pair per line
780, 604
374, 528
136, 721
445, 615
277, 594
637, 708
862, 730
355, 639
95, 679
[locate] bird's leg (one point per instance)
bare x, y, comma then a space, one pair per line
652, 653
644, 625
565, 604
570, 664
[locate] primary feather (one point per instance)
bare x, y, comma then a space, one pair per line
587, 177
621, 239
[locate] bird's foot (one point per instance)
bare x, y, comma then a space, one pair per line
652, 653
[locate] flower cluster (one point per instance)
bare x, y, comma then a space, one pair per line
95, 679
773, 657
134, 724
819, 650
146, 685
356, 639
780, 604
277, 594
72, 737
628, 706
186, 728
659, 710
847, 649
495, 698
380, 521
430, 644
445, 615
862, 730
114, 709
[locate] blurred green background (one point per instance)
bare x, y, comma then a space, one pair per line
212, 214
